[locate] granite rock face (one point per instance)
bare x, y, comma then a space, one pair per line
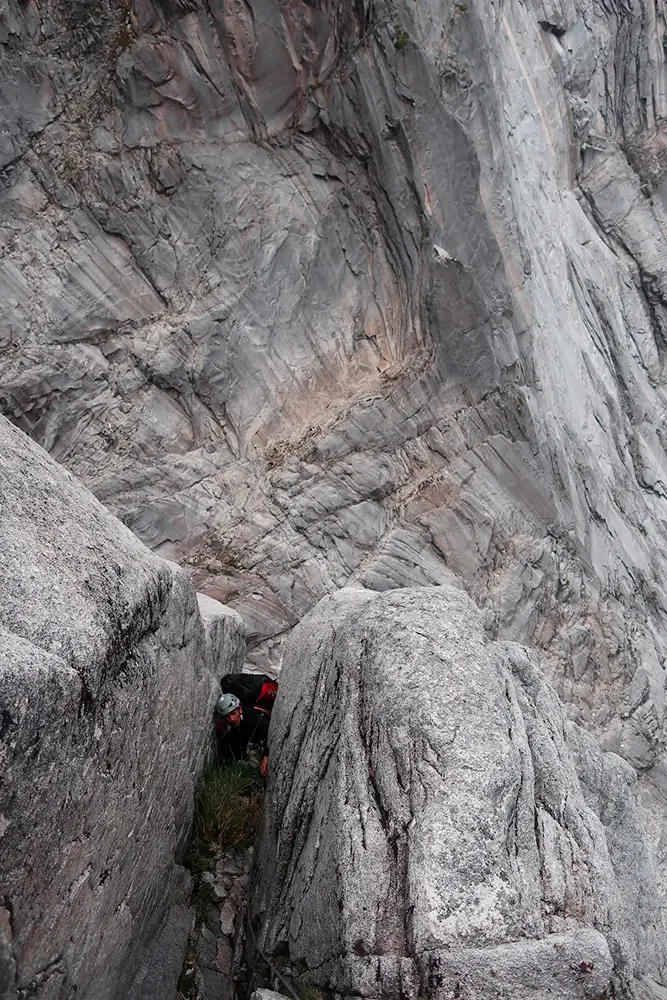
319, 294
316, 294
436, 827
107, 682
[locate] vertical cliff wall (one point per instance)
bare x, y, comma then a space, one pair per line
313, 294
107, 683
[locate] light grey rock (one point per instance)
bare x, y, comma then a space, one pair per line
7, 960
107, 684
162, 965
565, 966
228, 917
249, 351
225, 635
435, 826
220, 306
214, 965
266, 995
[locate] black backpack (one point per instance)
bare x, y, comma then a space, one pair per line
246, 687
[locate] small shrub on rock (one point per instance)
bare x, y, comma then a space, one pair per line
401, 37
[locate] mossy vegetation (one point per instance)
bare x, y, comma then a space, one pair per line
401, 37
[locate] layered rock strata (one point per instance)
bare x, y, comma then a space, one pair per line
436, 827
316, 294
106, 692
324, 293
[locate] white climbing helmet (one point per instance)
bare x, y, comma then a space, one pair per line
227, 703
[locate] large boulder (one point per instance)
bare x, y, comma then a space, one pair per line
436, 827
106, 690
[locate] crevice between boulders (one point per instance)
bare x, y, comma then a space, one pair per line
212, 965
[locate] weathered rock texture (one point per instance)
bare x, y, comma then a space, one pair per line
223, 309
436, 827
321, 293
106, 693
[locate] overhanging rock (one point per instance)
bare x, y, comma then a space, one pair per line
106, 692
436, 827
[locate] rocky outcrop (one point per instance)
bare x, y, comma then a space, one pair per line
321, 294
324, 293
107, 682
436, 827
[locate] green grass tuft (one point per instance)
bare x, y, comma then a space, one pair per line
401, 37
227, 810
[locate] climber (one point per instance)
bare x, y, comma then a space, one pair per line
243, 714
